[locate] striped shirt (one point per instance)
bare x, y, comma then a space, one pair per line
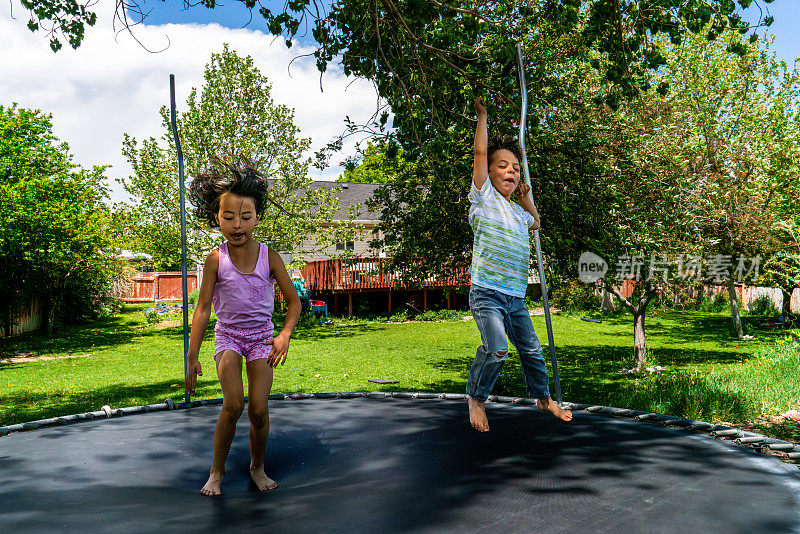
501, 250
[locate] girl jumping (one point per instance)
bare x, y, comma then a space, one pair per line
239, 279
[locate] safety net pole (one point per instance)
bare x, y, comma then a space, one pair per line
184, 285
526, 175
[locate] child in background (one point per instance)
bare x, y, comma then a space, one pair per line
238, 278
500, 260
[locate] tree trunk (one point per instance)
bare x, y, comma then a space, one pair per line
638, 311
786, 308
48, 315
607, 303
639, 345
737, 321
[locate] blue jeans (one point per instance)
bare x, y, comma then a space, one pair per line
499, 315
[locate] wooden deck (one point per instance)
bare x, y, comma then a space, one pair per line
369, 274
347, 277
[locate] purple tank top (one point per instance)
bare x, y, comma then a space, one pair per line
244, 300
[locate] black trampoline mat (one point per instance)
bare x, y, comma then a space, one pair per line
392, 465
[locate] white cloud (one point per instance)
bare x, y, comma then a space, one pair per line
113, 85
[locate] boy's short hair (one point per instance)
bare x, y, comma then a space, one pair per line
502, 142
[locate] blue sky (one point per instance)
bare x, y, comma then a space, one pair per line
786, 28
228, 13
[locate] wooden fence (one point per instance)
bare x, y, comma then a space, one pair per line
747, 294
26, 319
156, 287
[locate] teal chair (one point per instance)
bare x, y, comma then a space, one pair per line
302, 292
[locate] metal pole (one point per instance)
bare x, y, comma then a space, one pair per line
527, 177
184, 285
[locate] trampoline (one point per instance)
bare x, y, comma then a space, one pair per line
380, 462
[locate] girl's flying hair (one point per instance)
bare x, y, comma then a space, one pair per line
500, 142
241, 177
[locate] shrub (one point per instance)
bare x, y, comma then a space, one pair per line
716, 304
111, 307
575, 296
428, 315
449, 315
307, 319
763, 305
532, 303
399, 317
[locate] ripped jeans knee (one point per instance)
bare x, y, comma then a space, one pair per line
485, 370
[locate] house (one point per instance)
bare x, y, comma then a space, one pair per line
363, 282
352, 194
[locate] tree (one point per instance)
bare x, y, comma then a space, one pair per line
379, 163
637, 226
697, 174
631, 175
233, 115
28, 147
429, 60
54, 241
733, 124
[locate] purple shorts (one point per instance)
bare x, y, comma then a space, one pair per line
247, 342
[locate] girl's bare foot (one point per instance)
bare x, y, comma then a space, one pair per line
549, 405
477, 415
213, 485
261, 480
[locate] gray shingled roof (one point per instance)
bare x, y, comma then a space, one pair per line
351, 193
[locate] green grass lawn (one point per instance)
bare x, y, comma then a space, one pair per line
123, 361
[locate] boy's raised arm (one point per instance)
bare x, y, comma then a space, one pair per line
480, 167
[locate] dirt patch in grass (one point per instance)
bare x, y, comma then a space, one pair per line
161, 325
540, 311
169, 324
26, 357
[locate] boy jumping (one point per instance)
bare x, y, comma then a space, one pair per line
501, 254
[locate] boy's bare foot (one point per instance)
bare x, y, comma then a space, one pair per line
549, 405
261, 480
477, 415
213, 485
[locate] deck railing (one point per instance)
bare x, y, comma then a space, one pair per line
369, 273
